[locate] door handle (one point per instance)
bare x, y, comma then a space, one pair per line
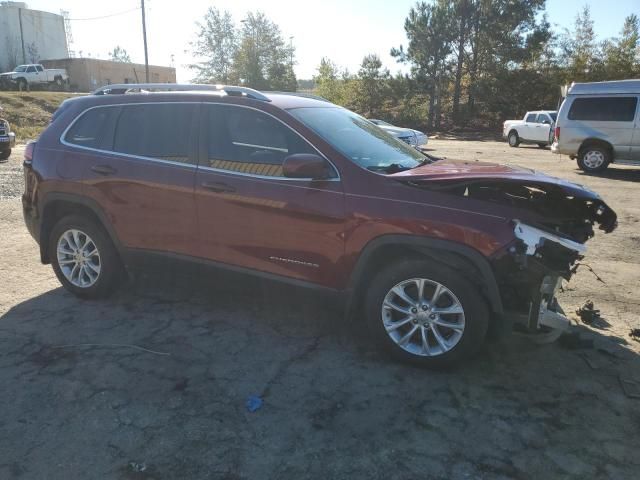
103, 169
218, 187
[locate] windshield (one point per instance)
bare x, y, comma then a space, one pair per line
553, 115
358, 139
21, 68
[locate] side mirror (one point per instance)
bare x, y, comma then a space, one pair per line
305, 165
546, 122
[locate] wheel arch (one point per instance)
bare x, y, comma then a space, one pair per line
389, 248
596, 141
58, 205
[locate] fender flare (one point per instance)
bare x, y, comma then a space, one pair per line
440, 251
73, 199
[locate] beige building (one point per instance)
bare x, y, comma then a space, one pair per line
87, 74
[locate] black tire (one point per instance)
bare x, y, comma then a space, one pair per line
513, 139
5, 154
586, 155
111, 268
476, 316
542, 145
23, 86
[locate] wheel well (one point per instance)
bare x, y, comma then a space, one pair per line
387, 254
513, 130
590, 142
52, 213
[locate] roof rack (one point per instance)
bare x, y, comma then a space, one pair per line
122, 88
301, 94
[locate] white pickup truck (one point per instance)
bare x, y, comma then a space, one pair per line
26, 76
536, 127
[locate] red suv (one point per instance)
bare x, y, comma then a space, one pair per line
431, 253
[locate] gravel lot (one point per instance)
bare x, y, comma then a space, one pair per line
152, 383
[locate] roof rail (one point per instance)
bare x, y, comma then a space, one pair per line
122, 88
301, 94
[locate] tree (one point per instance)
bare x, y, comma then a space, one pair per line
579, 50
262, 60
216, 47
622, 56
119, 54
372, 86
428, 29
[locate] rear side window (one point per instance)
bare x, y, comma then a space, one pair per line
604, 109
159, 130
248, 141
91, 129
531, 118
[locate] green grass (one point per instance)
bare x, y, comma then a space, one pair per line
29, 113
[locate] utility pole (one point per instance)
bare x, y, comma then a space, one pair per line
146, 54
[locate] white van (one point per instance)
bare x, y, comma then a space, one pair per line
598, 124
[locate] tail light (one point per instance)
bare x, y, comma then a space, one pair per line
556, 134
28, 153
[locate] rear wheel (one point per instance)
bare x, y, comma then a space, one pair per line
84, 258
514, 139
594, 158
425, 314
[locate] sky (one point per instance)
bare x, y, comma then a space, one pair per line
343, 30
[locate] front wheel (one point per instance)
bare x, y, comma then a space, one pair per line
594, 159
426, 314
84, 258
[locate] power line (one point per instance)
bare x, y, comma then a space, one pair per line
104, 16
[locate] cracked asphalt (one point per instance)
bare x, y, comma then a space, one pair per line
152, 383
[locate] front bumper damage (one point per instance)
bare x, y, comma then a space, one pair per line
530, 274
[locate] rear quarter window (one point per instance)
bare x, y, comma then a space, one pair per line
92, 128
603, 109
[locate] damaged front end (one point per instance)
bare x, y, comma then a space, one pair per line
551, 220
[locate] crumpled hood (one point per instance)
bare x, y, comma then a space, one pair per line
451, 171
560, 205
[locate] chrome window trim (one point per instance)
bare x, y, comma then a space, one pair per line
196, 166
338, 178
113, 152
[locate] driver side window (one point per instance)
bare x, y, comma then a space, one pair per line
531, 118
249, 141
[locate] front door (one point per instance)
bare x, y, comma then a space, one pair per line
249, 214
139, 166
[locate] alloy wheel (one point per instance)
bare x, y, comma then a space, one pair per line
78, 258
423, 317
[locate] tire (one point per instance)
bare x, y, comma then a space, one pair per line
458, 293
23, 86
110, 269
594, 158
4, 155
513, 138
542, 145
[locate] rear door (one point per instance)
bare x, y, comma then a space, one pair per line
139, 166
635, 142
249, 214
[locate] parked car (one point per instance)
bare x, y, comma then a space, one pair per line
415, 138
7, 138
430, 254
26, 76
535, 127
598, 124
